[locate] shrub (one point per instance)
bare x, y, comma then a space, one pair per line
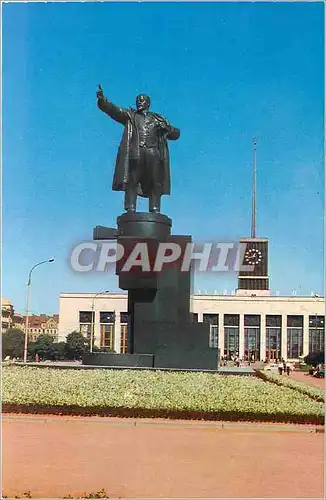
315, 358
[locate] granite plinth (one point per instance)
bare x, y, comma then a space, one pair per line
113, 359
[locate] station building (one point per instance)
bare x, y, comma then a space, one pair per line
261, 327
251, 324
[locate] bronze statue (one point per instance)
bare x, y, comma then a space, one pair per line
142, 166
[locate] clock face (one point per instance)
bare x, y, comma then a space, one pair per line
253, 256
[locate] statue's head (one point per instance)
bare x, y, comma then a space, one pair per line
143, 102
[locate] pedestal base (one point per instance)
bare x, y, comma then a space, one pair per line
144, 225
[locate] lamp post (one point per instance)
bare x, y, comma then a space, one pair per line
93, 317
27, 303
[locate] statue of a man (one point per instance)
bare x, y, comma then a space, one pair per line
142, 165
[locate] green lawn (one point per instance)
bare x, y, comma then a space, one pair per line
154, 393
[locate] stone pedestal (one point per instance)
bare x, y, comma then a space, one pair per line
159, 302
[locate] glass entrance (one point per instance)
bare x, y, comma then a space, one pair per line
231, 336
273, 337
252, 337
271, 355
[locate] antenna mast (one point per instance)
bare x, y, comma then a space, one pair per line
254, 193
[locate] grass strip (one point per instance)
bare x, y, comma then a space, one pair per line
281, 380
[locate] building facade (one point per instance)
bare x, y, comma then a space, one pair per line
255, 327
9, 317
42, 325
7, 313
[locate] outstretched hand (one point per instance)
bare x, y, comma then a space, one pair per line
99, 93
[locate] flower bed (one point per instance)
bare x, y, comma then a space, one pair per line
154, 393
313, 392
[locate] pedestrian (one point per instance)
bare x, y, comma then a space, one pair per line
288, 368
280, 368
37, 358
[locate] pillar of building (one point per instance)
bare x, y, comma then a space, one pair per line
221, 334
305, 335
241, 336
117, 332
262, 337
97, 329
284, 353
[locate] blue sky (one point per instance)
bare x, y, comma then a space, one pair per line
222, 73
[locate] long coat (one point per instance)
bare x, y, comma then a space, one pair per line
129, 146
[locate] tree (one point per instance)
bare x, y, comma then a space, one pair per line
44, 346
13, 342
76, 345
315, 358
60, 351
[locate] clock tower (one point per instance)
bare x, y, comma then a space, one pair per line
255, 253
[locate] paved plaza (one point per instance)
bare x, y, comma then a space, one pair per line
56, 456
307, 379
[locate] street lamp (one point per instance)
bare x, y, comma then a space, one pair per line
93, 317
27, 303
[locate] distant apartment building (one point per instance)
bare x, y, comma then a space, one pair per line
42, 325
37, 324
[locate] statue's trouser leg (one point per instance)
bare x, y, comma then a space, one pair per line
155, 171
131, 188
130, 198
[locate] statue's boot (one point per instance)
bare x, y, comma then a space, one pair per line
155, 202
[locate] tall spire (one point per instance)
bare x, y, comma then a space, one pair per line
254, 193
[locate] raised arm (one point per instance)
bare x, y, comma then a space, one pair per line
118, 114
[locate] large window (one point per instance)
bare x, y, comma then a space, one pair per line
273, 337
86, 323
107, 330
231, 335
251, 337
124, 322
294, 336
316, 333
212, 320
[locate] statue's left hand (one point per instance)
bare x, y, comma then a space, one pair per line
164, 126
